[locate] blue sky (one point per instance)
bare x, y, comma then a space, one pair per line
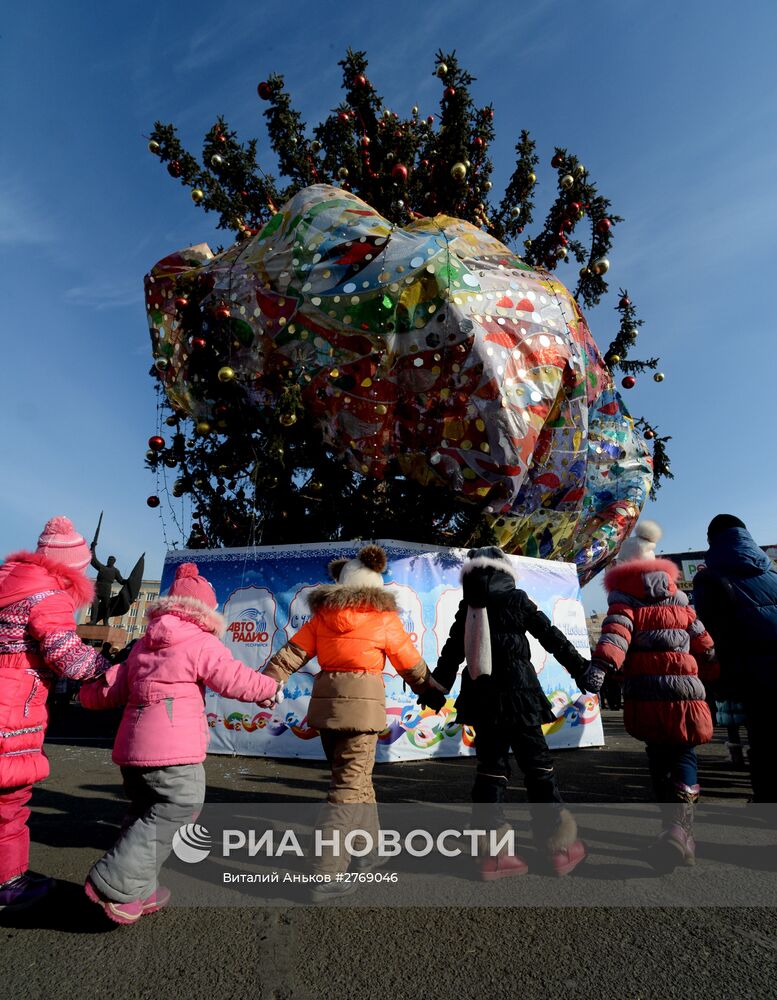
672, 107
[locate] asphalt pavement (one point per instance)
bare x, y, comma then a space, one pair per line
66, 949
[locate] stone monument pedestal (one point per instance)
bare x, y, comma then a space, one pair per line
96, 635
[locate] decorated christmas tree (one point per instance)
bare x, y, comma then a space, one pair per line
371, 357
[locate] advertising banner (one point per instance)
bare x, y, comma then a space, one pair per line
262, 592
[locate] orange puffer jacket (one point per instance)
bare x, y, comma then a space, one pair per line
352, 632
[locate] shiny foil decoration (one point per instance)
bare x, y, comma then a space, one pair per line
434, 345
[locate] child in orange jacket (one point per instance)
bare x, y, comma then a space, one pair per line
355, 626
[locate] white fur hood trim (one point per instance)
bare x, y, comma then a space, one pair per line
190, 609
485, 562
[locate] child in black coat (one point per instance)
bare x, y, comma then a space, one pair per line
501, 697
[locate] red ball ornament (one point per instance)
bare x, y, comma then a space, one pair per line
156, 443
477, 142
360, 80
629, 382
650, 434
174, 168
576, 207
181, 302
430, 120
557, 160
343, 116
399, 173
448, 93
153, 501
604, 225
222, 311
624, 302
199, 343
264, 90
424, 164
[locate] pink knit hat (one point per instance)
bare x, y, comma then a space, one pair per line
189, 583
60, 541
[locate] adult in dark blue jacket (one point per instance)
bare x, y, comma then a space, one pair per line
736, 596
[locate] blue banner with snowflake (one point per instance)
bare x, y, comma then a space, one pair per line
262, 593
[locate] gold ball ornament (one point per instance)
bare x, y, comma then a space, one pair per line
532, 178
566, 181
458, 172
601, 266
154, 147
342, 173
441, 70
579, 170
197, 195
659, 377
217, 161
179, 488
414, 111
614, 359
226, 374
584, 272
203, 427
287, 419
515, 212
315, 485
488, 185
563, 253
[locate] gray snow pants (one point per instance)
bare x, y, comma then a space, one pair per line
161, 800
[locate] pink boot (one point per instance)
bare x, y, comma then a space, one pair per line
128, 913
564, 849
566, 860
157, 899
501, 866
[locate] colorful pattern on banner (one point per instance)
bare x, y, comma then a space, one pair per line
262, 592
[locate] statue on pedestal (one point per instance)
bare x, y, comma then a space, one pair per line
106, 605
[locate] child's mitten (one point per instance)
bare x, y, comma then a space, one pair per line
591, 678
432, 697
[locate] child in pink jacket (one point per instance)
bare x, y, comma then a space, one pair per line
163, 736
39, 594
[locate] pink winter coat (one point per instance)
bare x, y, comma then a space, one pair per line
162, 683
38, 643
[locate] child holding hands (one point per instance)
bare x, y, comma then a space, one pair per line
163, 736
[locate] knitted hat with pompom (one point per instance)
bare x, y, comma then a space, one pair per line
641, 544
363, 571
60, 542
189, 583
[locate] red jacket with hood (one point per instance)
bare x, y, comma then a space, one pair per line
652, 634
38, 642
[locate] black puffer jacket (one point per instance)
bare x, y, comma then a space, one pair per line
512, 694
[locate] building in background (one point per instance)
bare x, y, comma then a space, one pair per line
134, 622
